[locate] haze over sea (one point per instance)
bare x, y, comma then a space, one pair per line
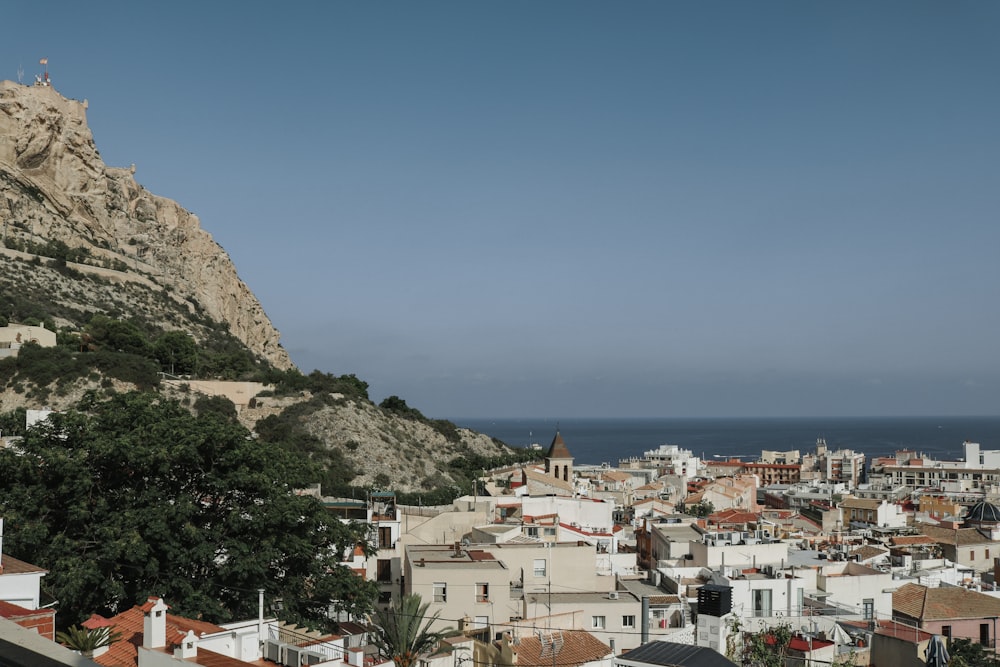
594, 441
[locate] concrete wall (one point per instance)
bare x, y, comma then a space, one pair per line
569, 566
461, 579
850, 584
704, 555
239, 393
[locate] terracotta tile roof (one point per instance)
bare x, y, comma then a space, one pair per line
208, 658
868, 551
96, 621
549, 480
733, 515
615, 476
8, 609
124, 653
664, 599
938, 604
14, 566
732, 463
955, 536
911, 540
578, 647
861, 503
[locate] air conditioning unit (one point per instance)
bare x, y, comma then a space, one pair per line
312, 658
613, 595
293, 656
273, 651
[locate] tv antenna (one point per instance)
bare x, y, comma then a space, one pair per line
20, 73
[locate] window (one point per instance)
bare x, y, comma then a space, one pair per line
531, 531
384, 573
868, 605
385, 537
480, 622
440, 591
628, 621
946, 633
539, 567
984, 634
972, 554
762, 602
482, 592
597, 622
549, 531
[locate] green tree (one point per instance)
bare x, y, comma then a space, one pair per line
966, 653
767, 647
219, 405
177, 352
398, 406
699, 509
141, 498
116, 335
404, 631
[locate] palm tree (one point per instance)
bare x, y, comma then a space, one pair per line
402, 632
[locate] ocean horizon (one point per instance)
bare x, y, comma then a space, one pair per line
593, 441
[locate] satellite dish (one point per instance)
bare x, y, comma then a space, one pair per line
466, 542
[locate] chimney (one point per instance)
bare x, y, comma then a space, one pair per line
188, 648
356, 656
154, 623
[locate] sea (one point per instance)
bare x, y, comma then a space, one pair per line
597, 441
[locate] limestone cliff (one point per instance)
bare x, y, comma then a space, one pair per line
55, 186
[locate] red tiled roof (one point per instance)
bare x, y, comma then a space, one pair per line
14, 566
911, 539
579, 647
13, 611
955, 536
124, 653
938, 604
207, 658
96, 621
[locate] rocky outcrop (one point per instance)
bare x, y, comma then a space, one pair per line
54, 186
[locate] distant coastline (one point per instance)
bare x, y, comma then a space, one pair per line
595, 441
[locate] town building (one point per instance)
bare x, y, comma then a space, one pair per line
953, 612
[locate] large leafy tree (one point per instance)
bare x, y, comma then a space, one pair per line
140, 498
403, 632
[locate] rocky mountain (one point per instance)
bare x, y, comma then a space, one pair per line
115, 269
54, 186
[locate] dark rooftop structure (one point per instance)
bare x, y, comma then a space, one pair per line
669, 653
558, 448
983, 514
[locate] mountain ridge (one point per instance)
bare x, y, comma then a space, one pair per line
54, 185
134, 286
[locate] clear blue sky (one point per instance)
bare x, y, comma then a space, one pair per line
578, 209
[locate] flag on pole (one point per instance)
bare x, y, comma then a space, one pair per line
43, 61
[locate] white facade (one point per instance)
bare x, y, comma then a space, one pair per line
862, 589
596, 516
764, 596
713, 553
670, 459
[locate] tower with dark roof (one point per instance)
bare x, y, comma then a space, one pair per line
558, 460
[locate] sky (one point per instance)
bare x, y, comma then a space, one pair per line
573, 208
